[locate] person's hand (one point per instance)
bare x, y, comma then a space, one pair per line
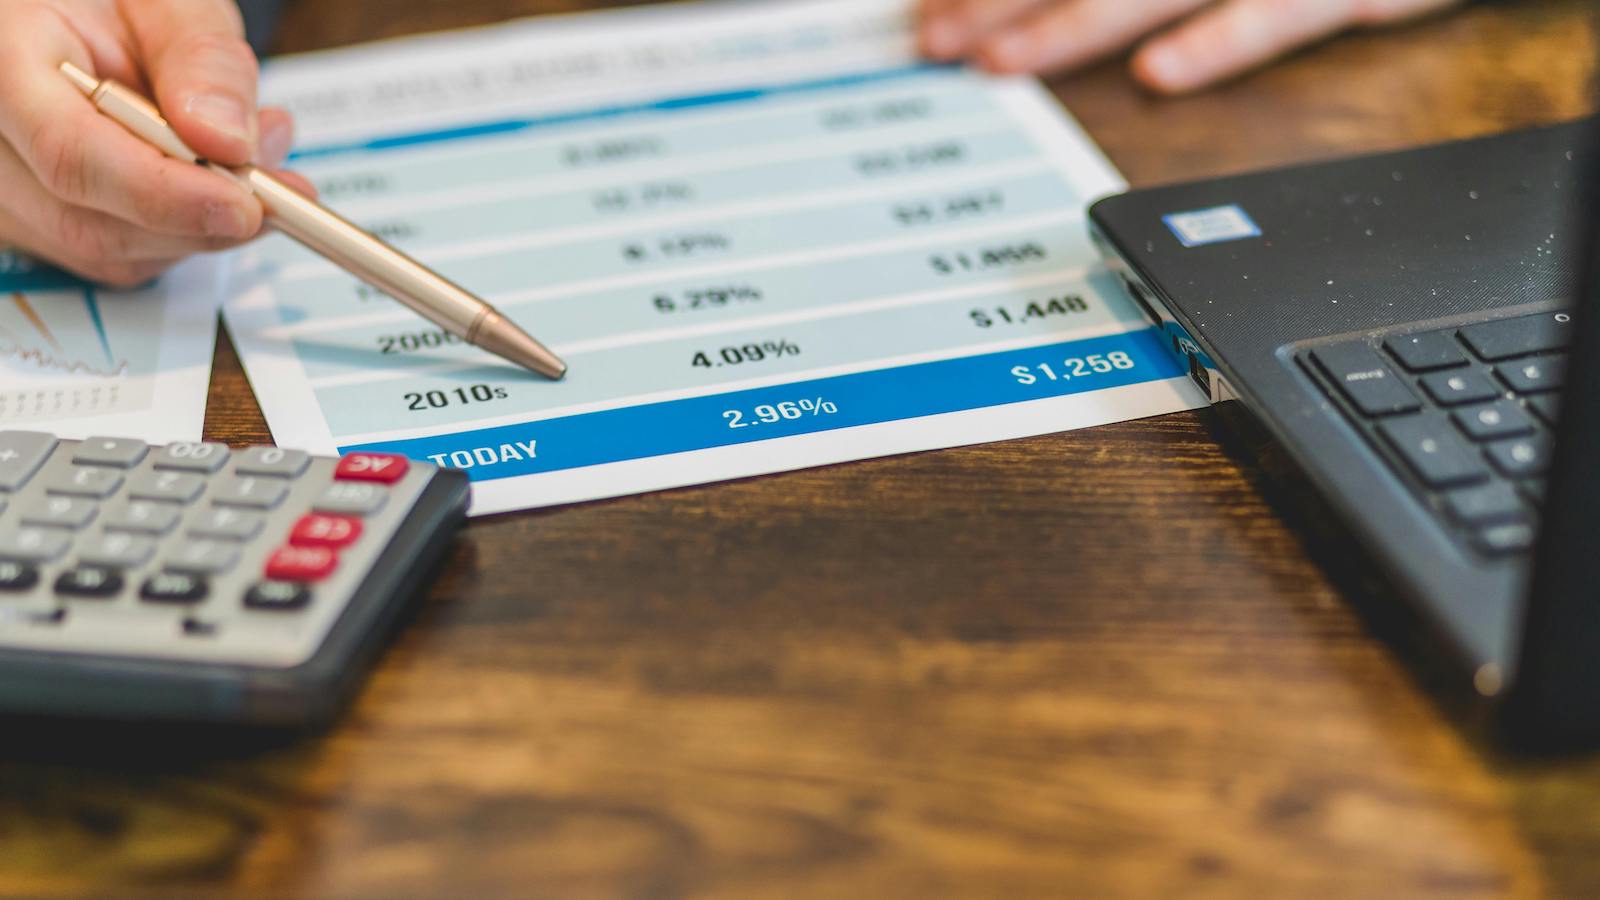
80, 191
1184, 44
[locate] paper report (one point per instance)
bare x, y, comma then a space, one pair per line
78, 361
764, 236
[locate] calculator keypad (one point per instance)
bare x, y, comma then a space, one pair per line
190, 551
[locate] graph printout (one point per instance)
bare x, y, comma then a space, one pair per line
80, 361
765, 236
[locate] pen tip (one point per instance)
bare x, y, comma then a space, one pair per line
504, 339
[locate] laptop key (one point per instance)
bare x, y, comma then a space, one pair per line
1522, 336
1492, 421
1484, 504
1454, 388
1533, 489
1533, 376
1435, 452
1364, 380
1427, 351
1520, 458
1546, 406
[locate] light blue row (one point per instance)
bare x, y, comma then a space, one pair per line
662, 251
622, 372
808, 407
661, 134
706, 300
669, 193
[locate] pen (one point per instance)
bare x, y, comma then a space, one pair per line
324, 231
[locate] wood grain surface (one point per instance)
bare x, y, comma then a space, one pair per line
1113, 663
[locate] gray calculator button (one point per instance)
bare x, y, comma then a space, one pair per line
173, 487
192, 457
21, 454
356, 498
273, 462
250, 492
33, 544
226, 524
59, 512
121, 453
86, 482
203, 557
116, 550
143, 517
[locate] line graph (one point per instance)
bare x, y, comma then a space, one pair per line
81, 359
52, 321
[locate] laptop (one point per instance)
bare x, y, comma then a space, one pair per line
1407, 325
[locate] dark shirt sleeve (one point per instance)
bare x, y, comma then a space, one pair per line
260, 22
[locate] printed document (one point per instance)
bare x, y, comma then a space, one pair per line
764, 236
79, 361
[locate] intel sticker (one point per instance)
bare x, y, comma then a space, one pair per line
1212, 226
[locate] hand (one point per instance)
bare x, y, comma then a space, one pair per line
1216, 39
79, 190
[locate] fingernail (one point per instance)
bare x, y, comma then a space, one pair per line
275, 145
225, 220
224, 113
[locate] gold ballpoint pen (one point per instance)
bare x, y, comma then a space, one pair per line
324, 231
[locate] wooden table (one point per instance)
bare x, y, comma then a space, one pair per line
1102, 664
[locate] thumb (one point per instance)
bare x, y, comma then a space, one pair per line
203, 73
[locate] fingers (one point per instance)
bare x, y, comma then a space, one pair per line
1384, 12
950, 29
203, 73
277, 137
114, 274
1069, 34
1242, 34
298, 182
92, 243
109, 42
1231, 38
83, 158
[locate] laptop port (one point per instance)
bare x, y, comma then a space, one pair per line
1200, 375
1141, 297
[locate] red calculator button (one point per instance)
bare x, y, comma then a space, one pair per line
301, 564
323, 530
384, 468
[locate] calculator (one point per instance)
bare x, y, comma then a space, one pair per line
192, 582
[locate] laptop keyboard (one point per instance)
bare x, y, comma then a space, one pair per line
1464, 414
